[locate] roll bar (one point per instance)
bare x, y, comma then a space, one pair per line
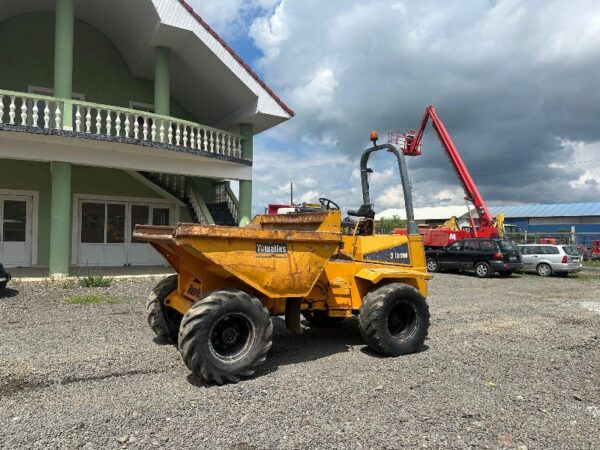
366, 210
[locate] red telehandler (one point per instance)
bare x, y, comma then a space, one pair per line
410, 144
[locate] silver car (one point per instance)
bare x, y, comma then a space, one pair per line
546, 259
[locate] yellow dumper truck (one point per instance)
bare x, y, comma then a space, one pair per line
230, 281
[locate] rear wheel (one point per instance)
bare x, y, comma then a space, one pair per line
394, 319
225, 336
432, 265
163, 320
321, 319
3, 285
483, 270
544, 270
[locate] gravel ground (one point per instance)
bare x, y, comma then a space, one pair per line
510, 363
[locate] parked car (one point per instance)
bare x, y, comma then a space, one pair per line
4, 277
483, 256
548, 259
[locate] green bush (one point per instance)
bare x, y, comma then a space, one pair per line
96, 281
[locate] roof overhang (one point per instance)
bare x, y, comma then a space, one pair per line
207, 77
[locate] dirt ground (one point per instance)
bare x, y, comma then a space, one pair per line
509, 363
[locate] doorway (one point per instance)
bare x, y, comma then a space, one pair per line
15, 230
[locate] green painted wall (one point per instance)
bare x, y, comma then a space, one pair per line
99, 70
113, 182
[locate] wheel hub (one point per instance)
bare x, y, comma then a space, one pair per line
402, 320
230, 336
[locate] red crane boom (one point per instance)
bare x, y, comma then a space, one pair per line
410, 143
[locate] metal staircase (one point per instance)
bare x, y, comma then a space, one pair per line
223, 211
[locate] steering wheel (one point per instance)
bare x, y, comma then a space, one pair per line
328, 204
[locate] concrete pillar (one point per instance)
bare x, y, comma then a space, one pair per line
63, 57
60, 219
162, 81
245, 213
60, 207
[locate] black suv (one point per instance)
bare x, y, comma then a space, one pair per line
484, 256
4, 277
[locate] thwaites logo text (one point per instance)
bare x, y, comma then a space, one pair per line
398, 254
266, 248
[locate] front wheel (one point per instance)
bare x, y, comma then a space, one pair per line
225, 336
394, 319
432, 265
544, 270
483, 270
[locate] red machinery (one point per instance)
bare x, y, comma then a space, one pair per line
410, 144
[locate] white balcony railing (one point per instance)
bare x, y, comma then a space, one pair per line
43, 112
37, 111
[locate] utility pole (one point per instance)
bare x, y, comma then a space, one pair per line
291, 193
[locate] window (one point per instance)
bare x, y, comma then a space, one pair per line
471, 245
160, 216
92, 223
548, 250
140, 215
570, 250
115, 223
488, 245
454, 246
15, 221
508, 246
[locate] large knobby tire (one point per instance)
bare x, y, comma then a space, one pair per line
394, 319
483, 270
163, 320
225, 336
432, 265
320, 319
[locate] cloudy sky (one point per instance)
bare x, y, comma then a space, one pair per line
515, 82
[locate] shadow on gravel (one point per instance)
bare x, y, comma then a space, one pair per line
8, 293
367, 351
313, 344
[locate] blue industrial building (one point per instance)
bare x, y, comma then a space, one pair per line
552, 218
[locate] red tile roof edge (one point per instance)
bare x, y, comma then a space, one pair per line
237, 57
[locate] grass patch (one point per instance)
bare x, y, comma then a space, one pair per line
587, 277
595, 263
96, 281
94, 299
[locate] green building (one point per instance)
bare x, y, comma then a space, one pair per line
114, 113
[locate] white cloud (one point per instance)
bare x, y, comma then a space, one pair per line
507, 77
268, 32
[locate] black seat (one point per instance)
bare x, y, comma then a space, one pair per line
365, 211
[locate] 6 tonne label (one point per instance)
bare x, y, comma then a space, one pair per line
266, 249
398, 254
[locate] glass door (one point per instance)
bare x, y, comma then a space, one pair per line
102, 234
139, 252
15, 231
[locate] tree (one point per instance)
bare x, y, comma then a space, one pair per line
387, 225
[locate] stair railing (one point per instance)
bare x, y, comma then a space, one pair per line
223, 193
199, 206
